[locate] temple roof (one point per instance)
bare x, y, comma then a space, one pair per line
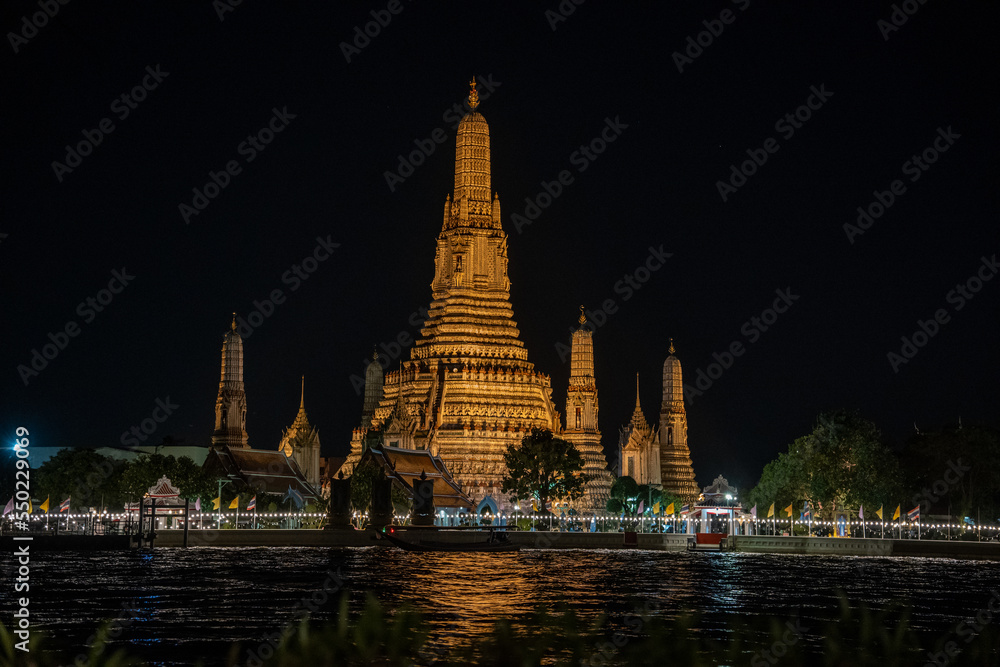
266, 470
405, 465
163, 489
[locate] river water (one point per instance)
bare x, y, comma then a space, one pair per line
175, 605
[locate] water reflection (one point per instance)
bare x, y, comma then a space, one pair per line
203, 599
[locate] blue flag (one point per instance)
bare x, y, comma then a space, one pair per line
296, 497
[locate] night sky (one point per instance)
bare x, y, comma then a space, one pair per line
853, 295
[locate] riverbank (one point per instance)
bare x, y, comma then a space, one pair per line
827, 546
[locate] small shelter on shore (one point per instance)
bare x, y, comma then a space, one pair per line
717, 509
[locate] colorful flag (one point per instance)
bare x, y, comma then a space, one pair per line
861, 512
806, 514
64, 505
235, 505
252, 505
670, 509
788, 510
9, 507
914, 514
753, 511
656, 507
896, 513
216, 503
879, 512
685, 508
45, 506
30, 508
640, 506
197, 504
770, 511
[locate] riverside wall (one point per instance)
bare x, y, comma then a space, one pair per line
825, 546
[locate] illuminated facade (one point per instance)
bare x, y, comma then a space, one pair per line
638, 450
301, 441
468, 390
659, 456
581, 417
231, 403
676, 471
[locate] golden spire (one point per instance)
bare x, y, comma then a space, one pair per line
583, 318
473, 95
671, 346
233, 325
302, 401
637, 392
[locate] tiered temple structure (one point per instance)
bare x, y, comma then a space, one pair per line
301, 442
231, 403
468, 390
676, 471
373, 390
581, 417
660, 456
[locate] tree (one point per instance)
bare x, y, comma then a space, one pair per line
89, 477
143, 471
954, 467
624, 496
545, 468
842, 464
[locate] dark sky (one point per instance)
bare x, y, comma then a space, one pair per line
655, 185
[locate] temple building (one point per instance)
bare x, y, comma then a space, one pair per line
295, 465
638, 457
263, 470
301, 442
405, 465
660, 456
468, 390
231, 403
581, 417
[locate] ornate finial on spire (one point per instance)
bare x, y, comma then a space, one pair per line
473, 95
233, 325
374, 353
583, 318
302, 401
637, 391
672, 346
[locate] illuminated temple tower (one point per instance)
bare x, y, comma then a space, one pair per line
581, 417
468, 386
231, 404
676, 471
301, 442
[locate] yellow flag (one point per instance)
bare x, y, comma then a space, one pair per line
770, 512
788, 510
656, 507
879, 513
235, 505
30, 510
45, 506
670, 508
216, 503
896, 515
